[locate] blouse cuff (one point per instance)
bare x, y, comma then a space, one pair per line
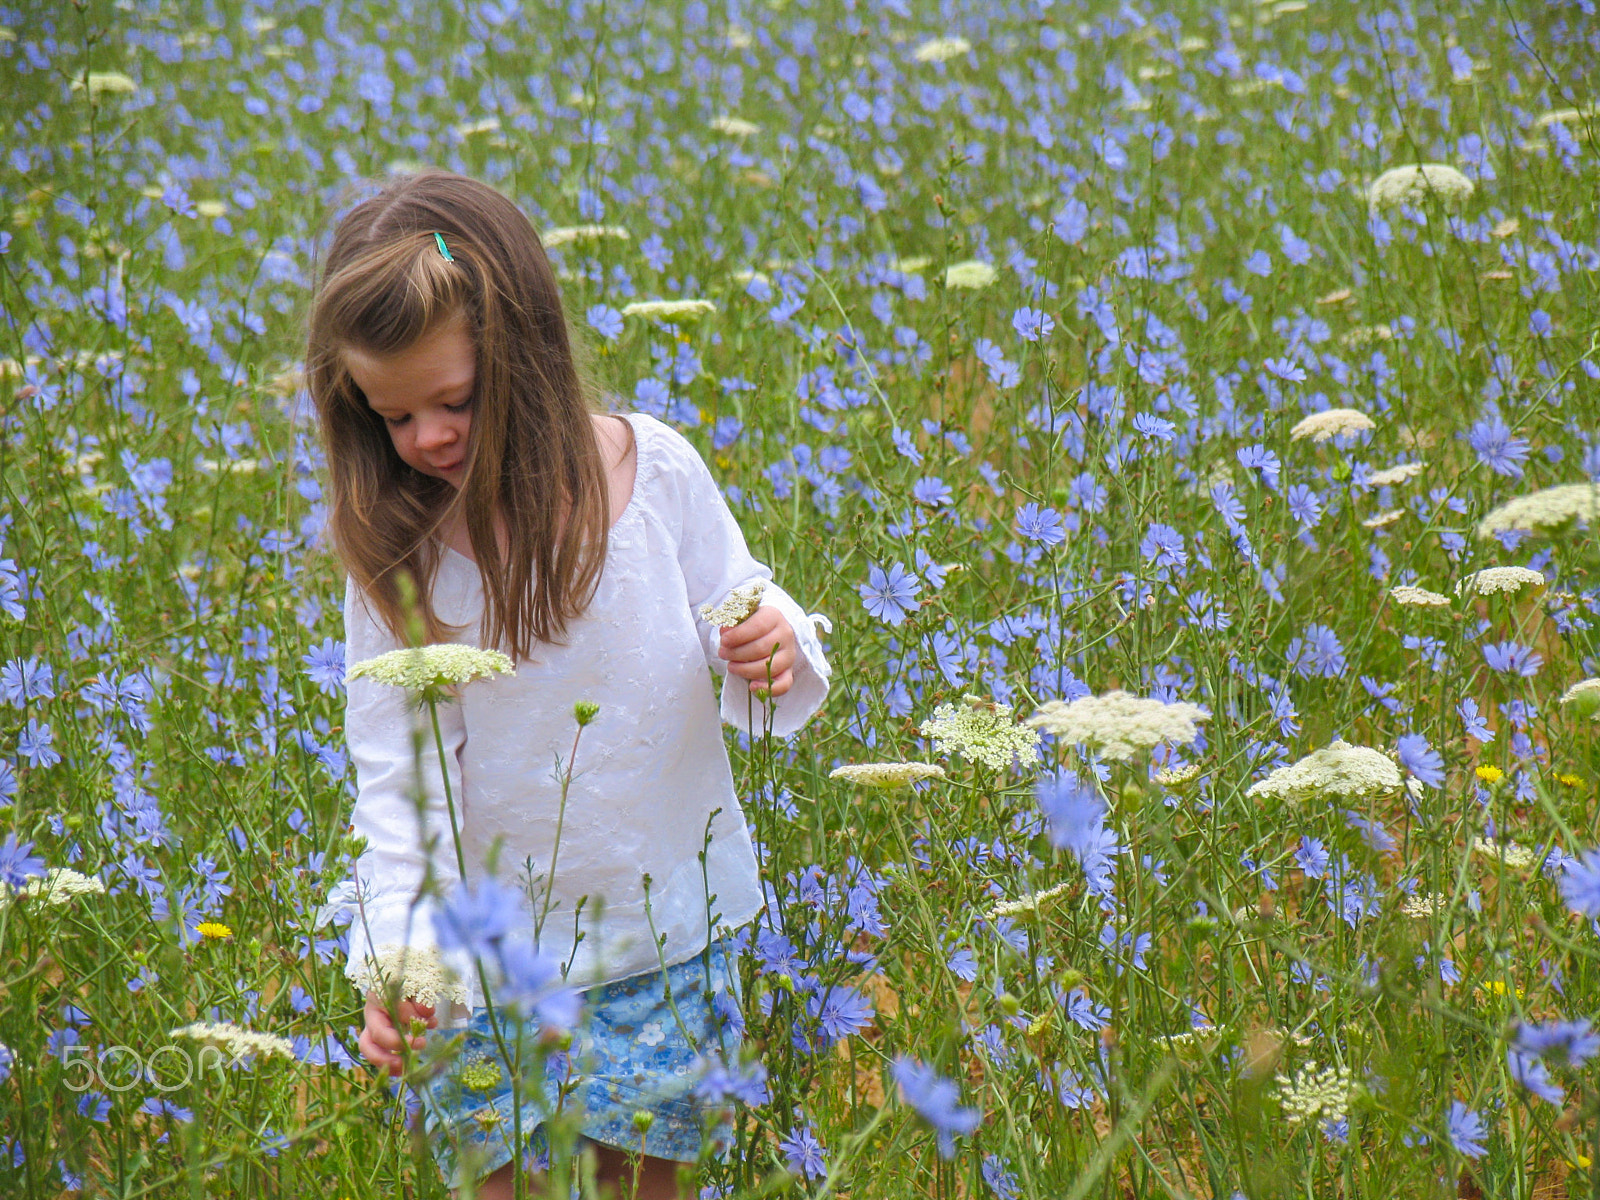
807, 690
391, 918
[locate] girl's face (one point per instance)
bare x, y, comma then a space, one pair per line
424, 395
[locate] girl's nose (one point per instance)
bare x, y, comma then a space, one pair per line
435, 434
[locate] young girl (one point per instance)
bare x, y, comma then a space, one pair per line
465, 451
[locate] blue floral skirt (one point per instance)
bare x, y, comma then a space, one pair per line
636, 1052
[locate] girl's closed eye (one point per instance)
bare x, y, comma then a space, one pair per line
396, 422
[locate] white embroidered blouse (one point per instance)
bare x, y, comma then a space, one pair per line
652, 785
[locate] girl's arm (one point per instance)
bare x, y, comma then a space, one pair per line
379, 724
715, 561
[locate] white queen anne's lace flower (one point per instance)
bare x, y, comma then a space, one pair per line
969, 274
99, 83
1418, 597
1565, 116
468, 129
734, 126
1013, 908
239, 1042
669, 310
1515, 856
1321, 426
1414, 184
1424, 904
1390, 476
1172, 777
981, 730
58, 886
1499, 579
1584, 696
942, 49
1312, 1092
421, 973
740, 604
1199, 1038
1118, 725
1543, 509
886, 775
428, 668
1365, 335
561, 235
1338, 769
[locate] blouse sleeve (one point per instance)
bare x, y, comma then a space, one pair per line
715, 561
381, 727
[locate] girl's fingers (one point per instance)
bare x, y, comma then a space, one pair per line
758, 652
753, 651
758, 676
759, 623
377, 1056
410, 1011
383, 1052
756, 670
780, 684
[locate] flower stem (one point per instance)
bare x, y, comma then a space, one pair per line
449, 799
555, 849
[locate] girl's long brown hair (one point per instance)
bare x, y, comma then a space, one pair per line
532, 453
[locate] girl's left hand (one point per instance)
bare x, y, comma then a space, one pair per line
747, 645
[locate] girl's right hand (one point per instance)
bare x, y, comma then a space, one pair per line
381, 1041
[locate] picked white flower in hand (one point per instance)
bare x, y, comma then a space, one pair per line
740, 606
421, 973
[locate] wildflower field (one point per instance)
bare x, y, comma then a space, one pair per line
1203, 488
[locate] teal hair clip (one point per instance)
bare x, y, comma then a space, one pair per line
443, 249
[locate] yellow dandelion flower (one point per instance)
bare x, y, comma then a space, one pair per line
1496, 988
1490, 774
1568, 778
213, 929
